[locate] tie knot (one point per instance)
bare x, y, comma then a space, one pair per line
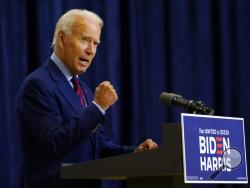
74, 80
76, 83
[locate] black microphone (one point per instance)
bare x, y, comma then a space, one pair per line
195, 107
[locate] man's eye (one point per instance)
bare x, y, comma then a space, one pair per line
96, 43
85, 39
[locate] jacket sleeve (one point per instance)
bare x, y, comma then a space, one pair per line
108, 147
38, 110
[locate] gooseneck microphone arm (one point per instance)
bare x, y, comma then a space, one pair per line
195, 107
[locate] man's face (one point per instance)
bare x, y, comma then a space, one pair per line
79, 48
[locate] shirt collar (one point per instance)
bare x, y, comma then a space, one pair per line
62, 67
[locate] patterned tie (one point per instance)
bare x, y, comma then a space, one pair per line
78, 89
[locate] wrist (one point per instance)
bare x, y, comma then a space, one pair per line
101, 108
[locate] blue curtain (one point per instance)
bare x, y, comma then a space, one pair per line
196, 48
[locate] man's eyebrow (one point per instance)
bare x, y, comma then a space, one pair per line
87, 36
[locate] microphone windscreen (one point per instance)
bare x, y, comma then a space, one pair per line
166, 98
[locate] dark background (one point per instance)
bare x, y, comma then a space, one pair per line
196, 48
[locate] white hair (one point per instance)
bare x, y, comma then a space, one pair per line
66, 21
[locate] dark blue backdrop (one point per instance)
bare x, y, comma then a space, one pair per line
197, 48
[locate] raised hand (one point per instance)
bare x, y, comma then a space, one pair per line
105, 95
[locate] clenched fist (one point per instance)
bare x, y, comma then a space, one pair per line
105, 95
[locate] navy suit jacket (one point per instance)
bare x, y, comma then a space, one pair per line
55, 129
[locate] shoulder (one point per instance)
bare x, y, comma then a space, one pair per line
39, 76
38, 80
47, 74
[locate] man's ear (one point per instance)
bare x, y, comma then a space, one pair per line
61, 37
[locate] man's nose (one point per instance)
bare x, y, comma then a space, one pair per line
90, 48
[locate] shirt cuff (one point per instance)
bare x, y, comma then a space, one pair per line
100, 108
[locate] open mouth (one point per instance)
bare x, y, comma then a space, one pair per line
84, 60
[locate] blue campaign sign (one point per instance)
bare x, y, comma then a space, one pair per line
213, 149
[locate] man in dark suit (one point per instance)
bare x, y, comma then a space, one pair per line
60, 120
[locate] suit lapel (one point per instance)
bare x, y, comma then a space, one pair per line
70, 95
63, 86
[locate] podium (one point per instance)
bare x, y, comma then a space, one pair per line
161, 167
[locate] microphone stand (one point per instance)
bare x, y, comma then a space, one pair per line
198, 107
